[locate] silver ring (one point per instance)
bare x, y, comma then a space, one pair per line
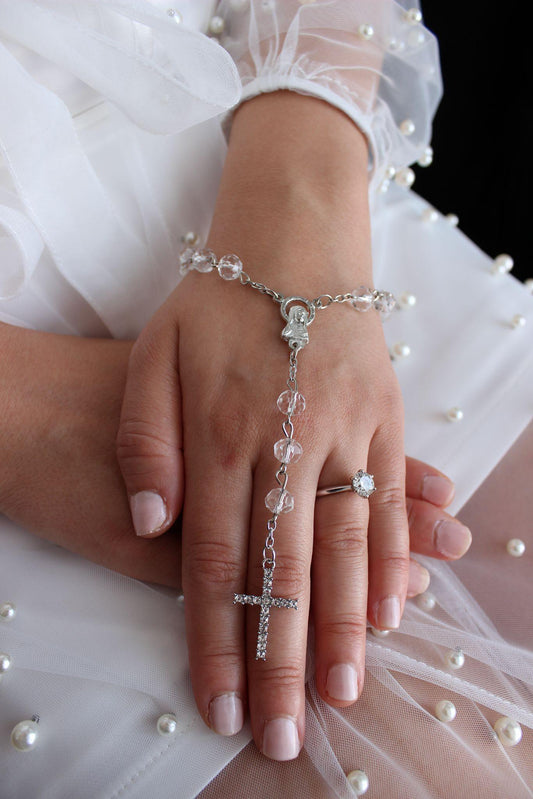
362, 484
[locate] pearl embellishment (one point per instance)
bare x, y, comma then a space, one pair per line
5, 663
190, 239
502, 264
407, 127
452, 219
366, 31
455, 414
358, 781
515, 547
216, 26
426, 601
518, 321
455, 658
400, 350
7, 611
529, 284
407, 300
167, 724
405, 177
413, 16
508, 731
426, 159
429, 215
445, 711
176, 16
25, 734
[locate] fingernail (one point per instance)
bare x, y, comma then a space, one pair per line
388, 613
451, 539
280, 739
419, 579
341, 683
437, 489
148, 512
226, 714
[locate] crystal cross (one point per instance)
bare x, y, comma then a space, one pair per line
267, 601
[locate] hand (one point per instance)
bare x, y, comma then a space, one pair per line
218, 345
59, 477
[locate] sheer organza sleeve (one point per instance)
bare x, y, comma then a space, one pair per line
373, 59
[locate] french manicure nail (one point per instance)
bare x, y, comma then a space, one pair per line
451, 539
341, 683
437, 489
280, 739
226, 714
419, 579
388, 613
148, 512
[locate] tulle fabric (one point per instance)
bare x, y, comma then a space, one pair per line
318, 48
97, 185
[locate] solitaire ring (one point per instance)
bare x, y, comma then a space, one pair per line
362, 484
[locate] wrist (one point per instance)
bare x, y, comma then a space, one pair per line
293, 200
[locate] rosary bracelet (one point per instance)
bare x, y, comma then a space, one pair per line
297, 313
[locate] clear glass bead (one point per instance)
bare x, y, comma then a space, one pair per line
364, 300
287, 450
385, 302
204, 260
291, 402
186, 260
229, 267
279, 501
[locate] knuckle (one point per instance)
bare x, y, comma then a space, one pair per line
285, 678
139, 439
394, 563
212, 564
291, 576
348, 627
391, 499
344, 541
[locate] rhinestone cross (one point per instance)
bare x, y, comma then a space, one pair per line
267, 601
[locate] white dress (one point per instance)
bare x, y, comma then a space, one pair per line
112, 120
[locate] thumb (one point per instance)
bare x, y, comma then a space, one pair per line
149, 441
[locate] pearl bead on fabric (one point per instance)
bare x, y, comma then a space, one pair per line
176, 16
413, 16
455, 414
515, 547
167, 724
429, 215
358, 782
502, 264
405, 177
5, 662
7, 611
407, 127
400, 350
216, 26
445, 711
190, 239
426, 601
25, 734
366, 31
407, 300
529, 284
518, 321
452, 219
455, 658
426, 159
508, 731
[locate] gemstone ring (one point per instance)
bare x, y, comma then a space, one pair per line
362, 483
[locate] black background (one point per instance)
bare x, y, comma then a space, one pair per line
483, 130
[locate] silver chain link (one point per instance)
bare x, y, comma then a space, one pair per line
321, 302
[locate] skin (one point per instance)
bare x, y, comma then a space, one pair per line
200, 400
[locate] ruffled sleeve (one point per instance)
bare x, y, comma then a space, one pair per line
373, 59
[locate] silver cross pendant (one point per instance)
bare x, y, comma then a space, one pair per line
266, 601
